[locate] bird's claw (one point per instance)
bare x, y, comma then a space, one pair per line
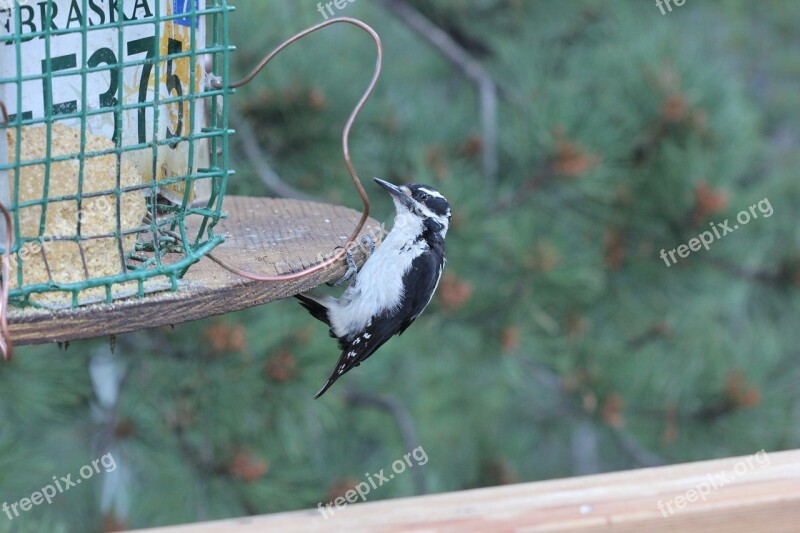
352, 268
370, 242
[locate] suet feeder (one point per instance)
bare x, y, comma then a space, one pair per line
113, 169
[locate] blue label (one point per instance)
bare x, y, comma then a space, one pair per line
185, 6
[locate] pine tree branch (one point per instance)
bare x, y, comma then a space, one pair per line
640, 455
589, 16
404, 422
657, 330
258, 160
584, 448
542, 176
781, 277
487, 87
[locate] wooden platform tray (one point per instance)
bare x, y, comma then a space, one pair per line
263, 235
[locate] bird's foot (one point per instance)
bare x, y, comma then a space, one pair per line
352, 268
370, 242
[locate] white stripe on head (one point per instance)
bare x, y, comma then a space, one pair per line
435, 194
423, 209
442, 220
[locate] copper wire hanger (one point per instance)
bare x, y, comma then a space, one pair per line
345, 147
6, 346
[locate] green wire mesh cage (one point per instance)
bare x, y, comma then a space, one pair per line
115, 160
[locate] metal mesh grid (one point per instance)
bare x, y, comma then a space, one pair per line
176, 147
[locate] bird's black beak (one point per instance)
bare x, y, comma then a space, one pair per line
397, 192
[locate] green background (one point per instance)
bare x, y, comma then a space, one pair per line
558, 344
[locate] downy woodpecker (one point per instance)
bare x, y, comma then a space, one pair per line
396, 282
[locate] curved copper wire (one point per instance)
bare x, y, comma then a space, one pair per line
345, 147
6, 346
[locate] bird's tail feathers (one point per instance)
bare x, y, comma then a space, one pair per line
315, 306
331, 381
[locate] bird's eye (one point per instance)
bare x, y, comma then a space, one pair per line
423, 197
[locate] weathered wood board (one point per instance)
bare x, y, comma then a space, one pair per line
263, 235
736, 494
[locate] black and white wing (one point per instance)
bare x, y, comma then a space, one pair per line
359, 347
420, 283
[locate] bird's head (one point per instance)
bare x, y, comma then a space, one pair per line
422, 201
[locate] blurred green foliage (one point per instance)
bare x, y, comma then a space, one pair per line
559, 342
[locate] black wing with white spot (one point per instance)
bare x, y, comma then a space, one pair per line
360, 347
420, 282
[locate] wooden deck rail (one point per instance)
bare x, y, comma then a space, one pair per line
753, 493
